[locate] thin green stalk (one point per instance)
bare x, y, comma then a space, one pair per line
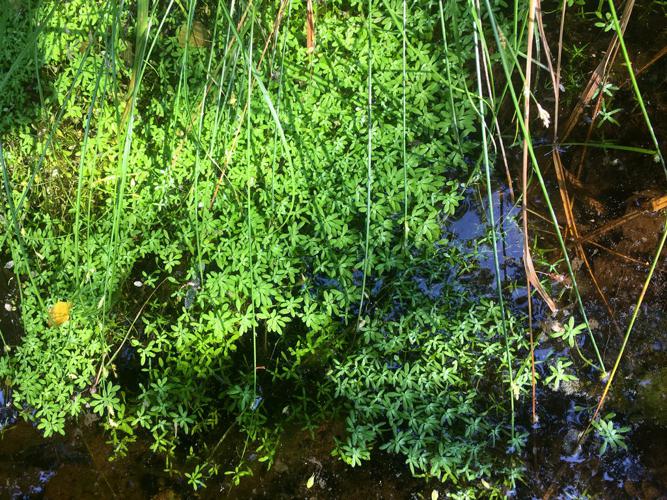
278, 100
635, 87
198, 148
143, 27
219, 102
13, 212
274, 114
607, 145
49, 139
404, 135
492, 223
449, 78
32, 42
538, 174
369, 163
249, 183
80, 177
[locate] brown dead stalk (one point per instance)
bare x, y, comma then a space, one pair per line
599, 75
654, 205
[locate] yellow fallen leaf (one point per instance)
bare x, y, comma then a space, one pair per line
435, 495
311, 482
59, 313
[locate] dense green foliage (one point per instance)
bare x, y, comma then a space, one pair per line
221, 215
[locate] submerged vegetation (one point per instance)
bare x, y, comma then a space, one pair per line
231, 215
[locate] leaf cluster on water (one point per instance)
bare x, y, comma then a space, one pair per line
218, 215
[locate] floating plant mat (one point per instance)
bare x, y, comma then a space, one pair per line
220, 226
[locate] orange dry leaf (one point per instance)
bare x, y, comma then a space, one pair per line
59, 313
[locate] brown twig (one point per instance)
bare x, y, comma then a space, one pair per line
598, 75
310, 27
619, 254
659, 55
654, 205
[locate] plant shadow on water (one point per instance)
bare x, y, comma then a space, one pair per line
78, 467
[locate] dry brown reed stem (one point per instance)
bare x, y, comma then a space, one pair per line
655, 205
534, 13
531, 276
599, 75
310, 27
574, 180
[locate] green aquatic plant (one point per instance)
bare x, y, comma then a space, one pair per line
612, 435
251, 232
558, 373
569, 332
419, 386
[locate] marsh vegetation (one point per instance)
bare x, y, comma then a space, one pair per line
240, 237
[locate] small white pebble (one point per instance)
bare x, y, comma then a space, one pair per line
138, 284
9, 264
8, 307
